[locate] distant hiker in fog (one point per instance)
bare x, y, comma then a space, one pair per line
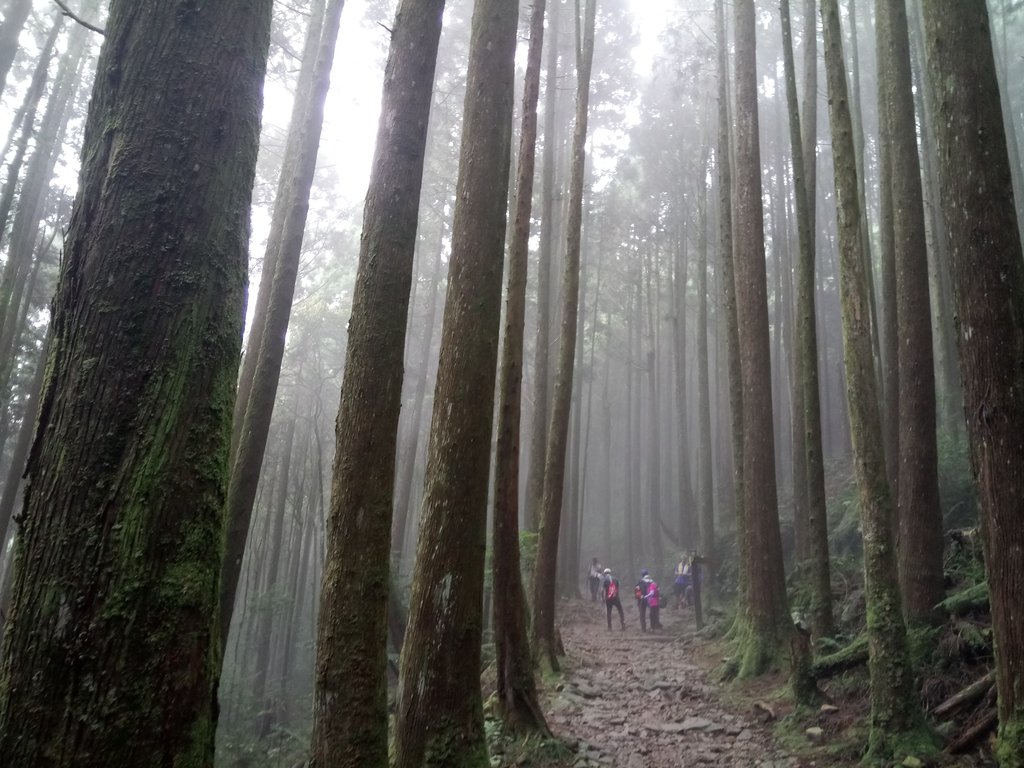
594, 579
681, 583
611, 598
653, 598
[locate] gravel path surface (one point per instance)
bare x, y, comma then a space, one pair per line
635, 700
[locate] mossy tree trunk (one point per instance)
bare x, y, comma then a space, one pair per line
919, 510
807, 336
517, 694
439, 709
111, 650
247, 459
988, 284
554, 465
350, 700
766, 608
893, 709
723, 163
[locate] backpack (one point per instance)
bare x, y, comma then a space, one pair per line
638, 593
652, 595
613, 590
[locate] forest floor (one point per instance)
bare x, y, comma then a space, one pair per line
635, 700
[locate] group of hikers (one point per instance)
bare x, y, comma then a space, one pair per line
648, 597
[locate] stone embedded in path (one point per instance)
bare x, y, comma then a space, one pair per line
815, 734
744, 735
587, 691
696, 724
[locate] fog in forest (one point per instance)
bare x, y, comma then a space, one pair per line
693, 299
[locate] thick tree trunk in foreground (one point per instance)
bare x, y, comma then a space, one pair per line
111, 651
15, 16
919, 510
350, 702
988, 285
517, 693
893, 709
554, 465
766, 609
440, 719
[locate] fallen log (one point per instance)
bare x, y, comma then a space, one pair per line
853, 655
974, 734
966, 696
967, 601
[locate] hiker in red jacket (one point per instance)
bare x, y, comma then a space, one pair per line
611, 598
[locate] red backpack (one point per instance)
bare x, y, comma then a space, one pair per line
613, 589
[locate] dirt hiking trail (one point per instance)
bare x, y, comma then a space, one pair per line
635, 700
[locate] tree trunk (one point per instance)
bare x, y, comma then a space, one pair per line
15, 16
350, 703
545, 256
252, 441
807, 336
920, 513
893, 710
517, 693
439, 711
988, 285
554, 465
723, 161
706, 505
766, 607
111, 650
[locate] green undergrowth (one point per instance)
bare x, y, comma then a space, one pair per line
535, 750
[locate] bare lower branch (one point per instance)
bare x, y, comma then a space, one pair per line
74, 17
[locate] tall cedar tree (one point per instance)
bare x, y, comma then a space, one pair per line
350, 701
558, 431
893, 710
111, 650
517, 695
807, 344
726, 257
545, 256
15, 15
988, 284
440, 718
919, 510
766, 610
706, 513
247, 459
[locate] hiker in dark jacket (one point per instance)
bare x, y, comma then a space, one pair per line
611, 598
640, 593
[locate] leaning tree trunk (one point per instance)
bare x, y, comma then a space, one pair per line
919, 510
111, 651
893, 709
554, 465
440, 719
545, 256
350, 705
807, 340
517, 691
988, 273
766, 608
247, 459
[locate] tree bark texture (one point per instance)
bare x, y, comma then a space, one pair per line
111, 650
807, 339
920, 539
439, 709
766, 606
517, 692
350, 699
988, 285
558, 430
893, 710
